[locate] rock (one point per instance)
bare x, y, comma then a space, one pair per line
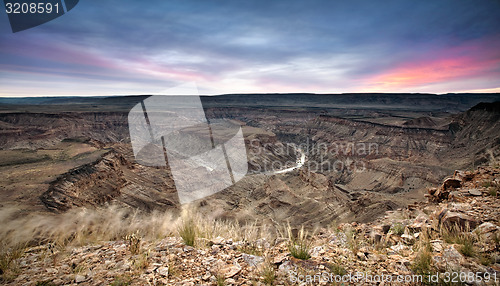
449, 259
451, 183
361, 256
475, 192
278, 259
386, 228
317, 251
218, 240
163, 271
437, 245
253, 260
488, 232
450, 219
80, 278
230, 271
286, 267
463, 176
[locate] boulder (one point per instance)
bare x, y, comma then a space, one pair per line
163, 271
451, 183
386, 228
462, 220
488, 231
253, 260
450, 258
475, 192
230, 271
463, 176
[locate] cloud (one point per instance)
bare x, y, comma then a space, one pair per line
257, 46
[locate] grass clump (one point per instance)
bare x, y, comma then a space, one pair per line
268, 273
353, 241
465, 239
221, 280
122, 280
337, 269
466, 242
398, 228
9, 267
134, 242
422, 263
141, 262
299, 245
188, 231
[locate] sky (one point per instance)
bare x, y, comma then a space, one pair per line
120, 47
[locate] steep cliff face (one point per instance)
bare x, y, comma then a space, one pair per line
476, 136
111, 179
89, 185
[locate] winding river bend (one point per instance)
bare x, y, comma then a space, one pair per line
299, 164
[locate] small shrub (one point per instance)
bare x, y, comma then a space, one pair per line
134, 242
398, 228
299, 246
188, 231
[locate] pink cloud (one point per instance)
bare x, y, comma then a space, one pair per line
474, 60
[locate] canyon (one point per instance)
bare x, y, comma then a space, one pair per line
360, 155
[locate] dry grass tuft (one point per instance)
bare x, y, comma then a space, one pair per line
299, 245
9, 267
188, 231
267, 272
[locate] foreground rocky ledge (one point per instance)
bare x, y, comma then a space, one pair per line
455, 234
